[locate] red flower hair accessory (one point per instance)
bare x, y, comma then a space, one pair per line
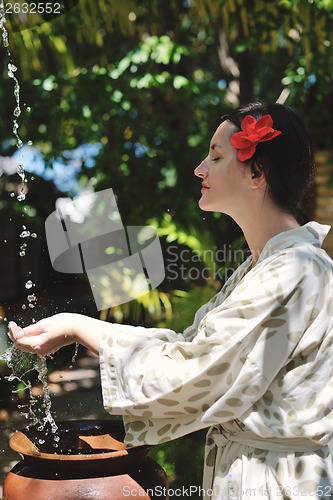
252, 133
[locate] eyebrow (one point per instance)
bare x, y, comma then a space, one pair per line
213, 146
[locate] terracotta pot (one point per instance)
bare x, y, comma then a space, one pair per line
89, 461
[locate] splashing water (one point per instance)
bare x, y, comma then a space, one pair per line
17, 111
32, 299
19, 362
2, 24
21, 173
42, 376
24, 235
22, 250
77, 345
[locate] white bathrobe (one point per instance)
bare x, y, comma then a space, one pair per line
256, 367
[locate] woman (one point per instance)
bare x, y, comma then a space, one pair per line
255, 366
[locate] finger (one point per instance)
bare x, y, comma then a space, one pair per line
24, 344
30, 331
9, 333
15, 331
42, 344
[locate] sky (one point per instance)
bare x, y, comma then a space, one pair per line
63, 175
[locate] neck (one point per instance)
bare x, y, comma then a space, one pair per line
260, 226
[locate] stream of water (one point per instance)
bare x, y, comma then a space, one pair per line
19, 362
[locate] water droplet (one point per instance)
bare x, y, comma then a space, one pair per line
77, 345
33, 235
20, 171
22, 254
24, 306
25, 234
32, 298
11, 67
29, 284
41, 441
12, 195
21, 197
28, 109
30, 143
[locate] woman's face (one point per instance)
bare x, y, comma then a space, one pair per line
225, 180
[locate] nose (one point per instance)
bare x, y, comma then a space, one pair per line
201, 170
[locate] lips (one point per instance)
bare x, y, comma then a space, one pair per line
204, 187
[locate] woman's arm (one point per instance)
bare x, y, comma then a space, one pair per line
52, 333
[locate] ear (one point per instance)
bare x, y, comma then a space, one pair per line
258, 178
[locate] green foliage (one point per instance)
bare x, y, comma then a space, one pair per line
201, 272
196, 253
183, 461
147, 309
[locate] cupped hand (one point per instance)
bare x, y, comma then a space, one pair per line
47, 335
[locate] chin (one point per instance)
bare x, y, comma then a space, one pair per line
205, 206
202, 204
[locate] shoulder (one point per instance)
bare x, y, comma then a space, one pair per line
301, 265
302, 258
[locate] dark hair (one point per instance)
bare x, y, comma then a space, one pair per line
287, 160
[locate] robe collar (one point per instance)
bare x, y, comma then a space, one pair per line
311, 233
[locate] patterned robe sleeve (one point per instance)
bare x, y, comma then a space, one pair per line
166, 384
